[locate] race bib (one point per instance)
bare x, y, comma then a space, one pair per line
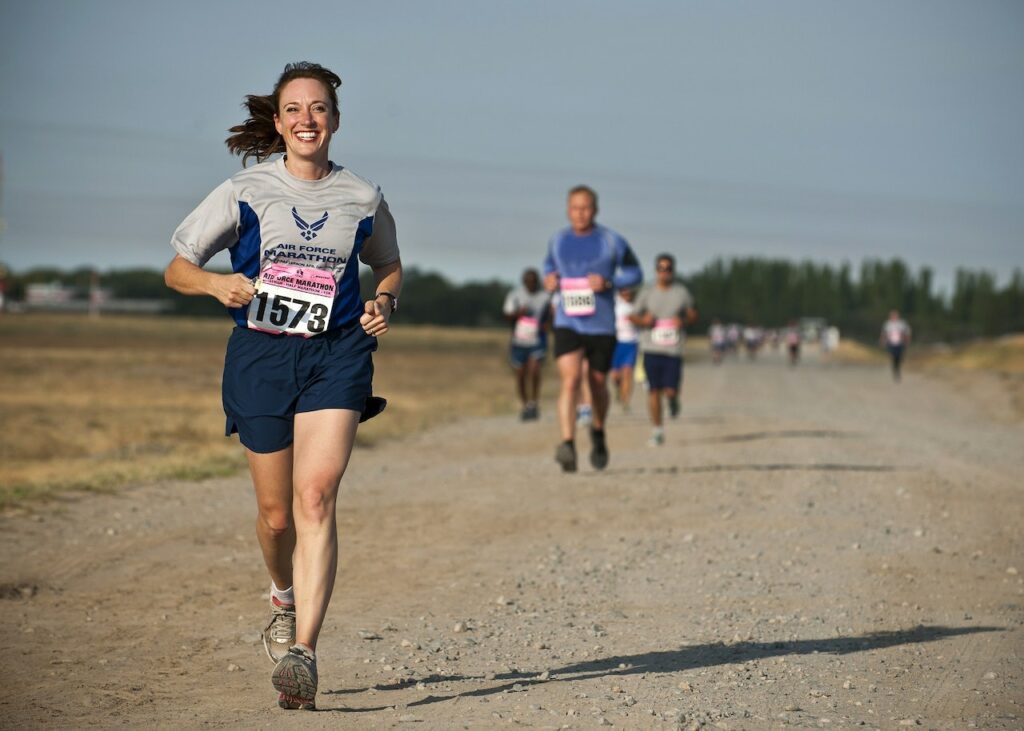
665, 333
292, 299
577, 297
527, 331
895, 337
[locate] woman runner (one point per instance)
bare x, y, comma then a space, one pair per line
298, 370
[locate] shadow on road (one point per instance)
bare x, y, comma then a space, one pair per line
686, 658
770, 467
779, 434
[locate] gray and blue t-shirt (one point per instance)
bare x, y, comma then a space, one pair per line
265, 215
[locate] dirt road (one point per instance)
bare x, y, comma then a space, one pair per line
813, 547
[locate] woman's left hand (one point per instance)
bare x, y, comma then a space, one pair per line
375, 317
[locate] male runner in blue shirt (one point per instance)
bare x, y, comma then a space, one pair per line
585, 264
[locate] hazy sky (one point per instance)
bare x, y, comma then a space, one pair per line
815, 129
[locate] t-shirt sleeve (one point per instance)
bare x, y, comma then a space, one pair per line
510, 305
549, 260
381, 248
210, 228
640, 303
629, 273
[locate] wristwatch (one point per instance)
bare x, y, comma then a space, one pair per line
392, 298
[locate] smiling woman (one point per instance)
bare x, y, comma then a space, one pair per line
264, 132
298, 371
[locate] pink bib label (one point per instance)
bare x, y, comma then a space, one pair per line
527, 332
665, 332
292, 299
578, 298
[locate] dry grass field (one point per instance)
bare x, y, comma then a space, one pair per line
97, 403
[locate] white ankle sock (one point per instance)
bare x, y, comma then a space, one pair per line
284, 596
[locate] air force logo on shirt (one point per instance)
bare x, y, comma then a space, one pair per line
308, 230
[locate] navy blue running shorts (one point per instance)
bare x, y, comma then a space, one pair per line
663, 371
268, 378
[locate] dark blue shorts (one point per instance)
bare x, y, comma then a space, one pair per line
663, 371
624, 355
269, 378
519, 354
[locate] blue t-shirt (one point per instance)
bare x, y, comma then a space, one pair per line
604, 252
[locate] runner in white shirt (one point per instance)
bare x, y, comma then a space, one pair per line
528, 310
298, 370
627, 345
719, 342
895, 337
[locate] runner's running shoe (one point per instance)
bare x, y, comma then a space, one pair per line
565, 455
598, 450
279, 634
295, 677
657, 438
584, 414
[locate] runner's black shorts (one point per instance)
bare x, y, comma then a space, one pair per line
597, 349
268, 378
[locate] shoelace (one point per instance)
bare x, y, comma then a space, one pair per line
282, 624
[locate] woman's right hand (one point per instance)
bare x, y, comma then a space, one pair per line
232, 290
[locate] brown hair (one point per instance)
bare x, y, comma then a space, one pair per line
257, 136
584, 189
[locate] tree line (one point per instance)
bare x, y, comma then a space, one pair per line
767, 292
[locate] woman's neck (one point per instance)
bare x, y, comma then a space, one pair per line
307, 169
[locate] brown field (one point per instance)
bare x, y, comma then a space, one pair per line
98, 403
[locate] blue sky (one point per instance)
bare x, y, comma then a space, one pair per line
823, 130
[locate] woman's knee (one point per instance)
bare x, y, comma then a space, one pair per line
276, 518
315, 500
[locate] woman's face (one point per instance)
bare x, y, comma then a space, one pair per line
306, 120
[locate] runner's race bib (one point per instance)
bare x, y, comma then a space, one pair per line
577, 297
665, 333
292, 299
527, 332
895, 337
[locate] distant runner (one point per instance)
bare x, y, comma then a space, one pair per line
719, 341
793, 343
895, 337
298, 370
528, 309
663, 310
627, 344
585, 263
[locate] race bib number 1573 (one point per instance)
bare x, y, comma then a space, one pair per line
291, 299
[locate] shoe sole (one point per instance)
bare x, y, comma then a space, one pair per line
289, 703
599, 460
296, 685
568, 464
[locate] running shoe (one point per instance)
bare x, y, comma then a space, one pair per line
584, 414
295, 677
529, 412
279, 633
673, 406
598, 450
565, 455
657, 439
